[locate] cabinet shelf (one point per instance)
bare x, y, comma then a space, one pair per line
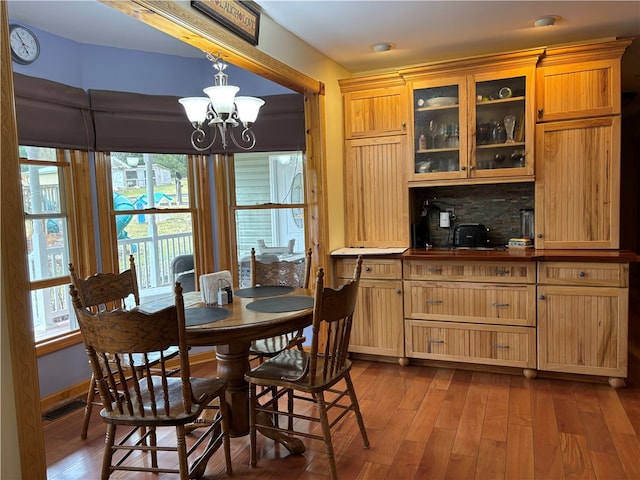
501, 145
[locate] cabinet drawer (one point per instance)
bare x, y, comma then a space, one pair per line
471, 302
502, 272
459, 342
371, 268
587, 274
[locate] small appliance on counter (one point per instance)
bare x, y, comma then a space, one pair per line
473, 235
526, 231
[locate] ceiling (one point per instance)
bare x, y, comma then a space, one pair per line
346, 31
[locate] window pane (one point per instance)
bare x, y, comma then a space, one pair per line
263, 178
141, 182
154, 241
276, 234
149, 181
47, 248
41, 188
51, 312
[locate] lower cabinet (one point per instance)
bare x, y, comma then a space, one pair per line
473, 312
582, 319
378, 324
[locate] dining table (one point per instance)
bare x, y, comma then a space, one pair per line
254, 313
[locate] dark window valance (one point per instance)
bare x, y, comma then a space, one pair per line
56, 115
51, 114
132, 122
154, 124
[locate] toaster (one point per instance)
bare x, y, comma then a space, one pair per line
470, 235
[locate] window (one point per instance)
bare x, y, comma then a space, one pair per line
45, 178
152, 217
269, 206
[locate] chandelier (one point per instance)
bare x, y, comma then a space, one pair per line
222, 111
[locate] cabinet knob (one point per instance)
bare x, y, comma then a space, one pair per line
540, 112
541, 297
463, 168
398, 291
539, 235
367, 269
471, 167
581, 274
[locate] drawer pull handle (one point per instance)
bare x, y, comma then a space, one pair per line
501, 271
433, 302
434, 270
581, 274
500, 304
433, 340
495, 345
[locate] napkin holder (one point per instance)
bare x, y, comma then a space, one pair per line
210, 283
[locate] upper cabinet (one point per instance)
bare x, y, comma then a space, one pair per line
380, 109
579, 81
475, 124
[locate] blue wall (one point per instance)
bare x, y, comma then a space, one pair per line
106, 68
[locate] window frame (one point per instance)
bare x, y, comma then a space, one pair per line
70, 177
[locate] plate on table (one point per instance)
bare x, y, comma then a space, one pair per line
442, 101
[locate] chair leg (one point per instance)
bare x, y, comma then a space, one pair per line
108, 450
252, 424
91, 395
326, 432
224, 411
356, 409
183, 465
290, 409
153, 441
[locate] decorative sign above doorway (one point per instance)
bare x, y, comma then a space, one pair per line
238, 16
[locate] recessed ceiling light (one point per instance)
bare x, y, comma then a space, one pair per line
546, 21
382, 47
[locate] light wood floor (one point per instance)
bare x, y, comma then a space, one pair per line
430, 423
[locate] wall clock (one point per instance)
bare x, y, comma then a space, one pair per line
25, 47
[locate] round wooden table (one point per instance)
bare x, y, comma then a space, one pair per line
232, 337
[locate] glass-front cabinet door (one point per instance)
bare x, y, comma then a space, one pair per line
440, 142
477, 126
502, 126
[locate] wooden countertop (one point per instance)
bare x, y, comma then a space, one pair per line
515, 255
523, 254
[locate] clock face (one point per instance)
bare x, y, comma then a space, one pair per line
25, 47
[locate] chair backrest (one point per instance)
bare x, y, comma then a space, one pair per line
292, 274
106, 291
332, 317
117, 343
182, 264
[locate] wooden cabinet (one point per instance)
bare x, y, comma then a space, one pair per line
376, 195
579, 81
582, 319
377, 325
473, 312
375, 182
375, 112
577, 190
476, 123
578, 147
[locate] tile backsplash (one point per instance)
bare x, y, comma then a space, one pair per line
496, 206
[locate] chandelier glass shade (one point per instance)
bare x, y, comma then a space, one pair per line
221, 112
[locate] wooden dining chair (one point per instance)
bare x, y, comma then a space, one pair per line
310, 375
108, 291
136, 393
279, 273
